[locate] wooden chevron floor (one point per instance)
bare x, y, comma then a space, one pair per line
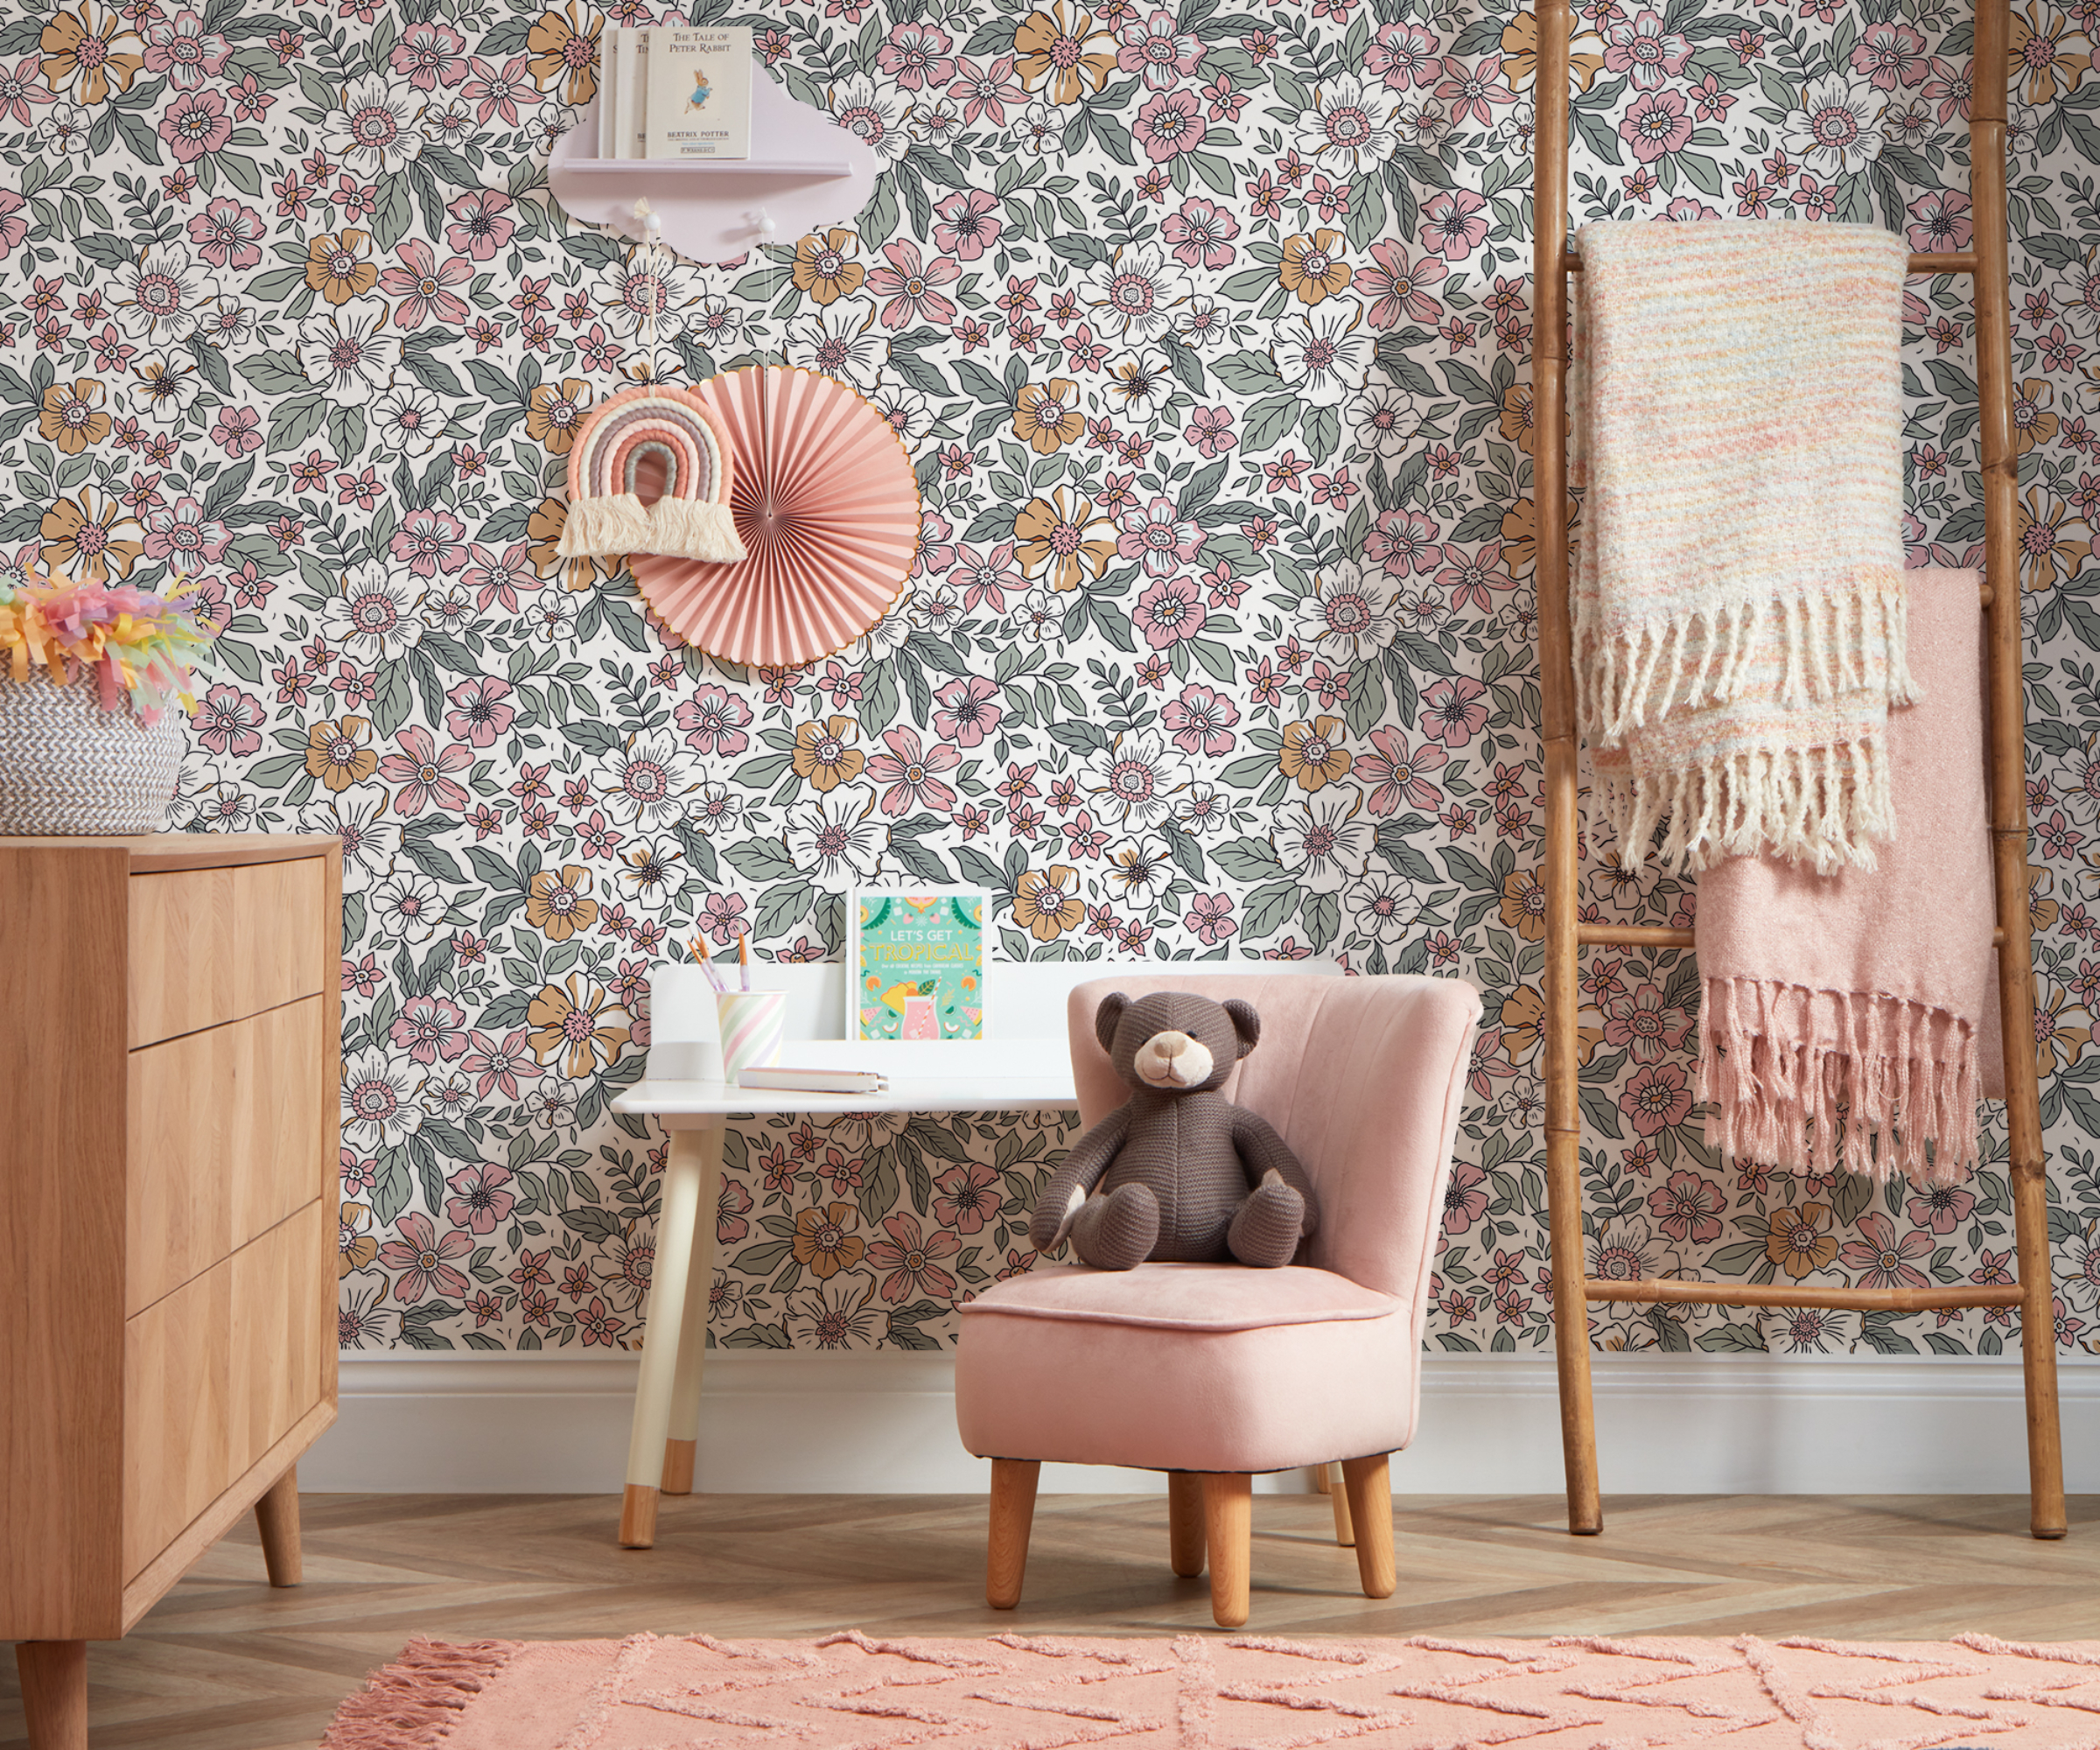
224, 1663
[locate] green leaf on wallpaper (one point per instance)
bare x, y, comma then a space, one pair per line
1732, 1339
396, 212
273, 374
1268, 909
779, 907
394, 700
1185, 851
416, 1324
762, 859
1270, 421
392, 1185
291, 423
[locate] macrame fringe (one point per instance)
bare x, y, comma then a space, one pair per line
620, 523
692, 528
597, 528
415, 1702
1819, 805
1629, 679
1897, 1094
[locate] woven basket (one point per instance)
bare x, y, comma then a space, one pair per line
68, 767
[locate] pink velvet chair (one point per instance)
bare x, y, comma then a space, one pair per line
1214, 1372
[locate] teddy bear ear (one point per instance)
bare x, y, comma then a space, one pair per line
1246, 1022
1107, 1018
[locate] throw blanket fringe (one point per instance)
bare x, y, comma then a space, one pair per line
1811, 1081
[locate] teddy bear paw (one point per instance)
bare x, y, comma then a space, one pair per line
1265, 1231
1117, 1231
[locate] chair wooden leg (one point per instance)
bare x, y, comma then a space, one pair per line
277, 1519
54, 1693
1228, 1529
1185, 1522
1013, 1512
1370, 1490
1345, 1528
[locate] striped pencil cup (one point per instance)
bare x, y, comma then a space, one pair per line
751, 1025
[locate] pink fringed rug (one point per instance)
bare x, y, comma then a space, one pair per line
1220, 1692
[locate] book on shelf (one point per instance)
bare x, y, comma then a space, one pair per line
674, 92
816, 1081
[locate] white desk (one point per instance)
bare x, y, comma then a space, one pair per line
1029, 1069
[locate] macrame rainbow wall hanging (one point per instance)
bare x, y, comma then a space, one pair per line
692, 519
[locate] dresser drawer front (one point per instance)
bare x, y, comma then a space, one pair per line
226, 1128
213, 945
217, 1373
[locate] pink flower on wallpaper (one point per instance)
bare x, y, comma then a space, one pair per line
1642, 1023
1454, 223
430, 542
478, 225
732, 1203
1169, 611
1657, 1097
907, 1259
185, 537
420, 770
907, 769
1941, 1208
1454, 710
970, 223
1210, 431
1883, 1260
1159, 538
1659, 124
228, 235
967, 713
1644, 50
423, 286
425, 1260
1158, 52
1465, 1197
966, 1196
184, 51
501, 1065
479, 1199
1169, 124
430, 53
1889, 52
1940, 222
1398, 774
13, 226
1401, 55
1201, 720
1399, 287
194, 123
428, 1028
1200, 232
714, 720
478, 712
237, 430
1688, 1209
229, 721
1210, 917
916, 56
908, 286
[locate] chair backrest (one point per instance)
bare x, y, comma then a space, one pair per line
1363, 1077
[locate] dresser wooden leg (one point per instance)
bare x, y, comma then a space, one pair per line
54, 1693
277, 1519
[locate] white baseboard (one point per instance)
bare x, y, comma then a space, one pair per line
884, 1423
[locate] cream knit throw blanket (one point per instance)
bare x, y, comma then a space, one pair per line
1739, 600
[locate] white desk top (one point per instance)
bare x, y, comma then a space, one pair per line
699, 1100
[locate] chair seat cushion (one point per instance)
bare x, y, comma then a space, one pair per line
1184, 1297
1185, 1368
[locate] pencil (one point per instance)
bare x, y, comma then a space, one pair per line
743, 960
700, 952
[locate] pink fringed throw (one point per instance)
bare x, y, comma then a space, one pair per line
1851, 1019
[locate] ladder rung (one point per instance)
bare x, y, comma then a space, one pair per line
1961, 262
1630, 936
1752, 1294
1655, 935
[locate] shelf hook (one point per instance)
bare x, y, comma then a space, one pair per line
649, 220
762, 222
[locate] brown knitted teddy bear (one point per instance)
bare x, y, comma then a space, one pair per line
1178, 1172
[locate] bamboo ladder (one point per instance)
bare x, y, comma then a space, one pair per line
1552, 262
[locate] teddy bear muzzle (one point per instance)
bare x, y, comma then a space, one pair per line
1173, 1059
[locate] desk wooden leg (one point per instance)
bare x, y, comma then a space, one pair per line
683, 1177
54, 1693
277, 1519
680, 1445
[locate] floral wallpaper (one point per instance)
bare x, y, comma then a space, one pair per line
1208, 329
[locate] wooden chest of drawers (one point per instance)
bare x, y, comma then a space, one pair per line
170, 1070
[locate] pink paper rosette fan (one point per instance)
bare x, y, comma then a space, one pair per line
827, 507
